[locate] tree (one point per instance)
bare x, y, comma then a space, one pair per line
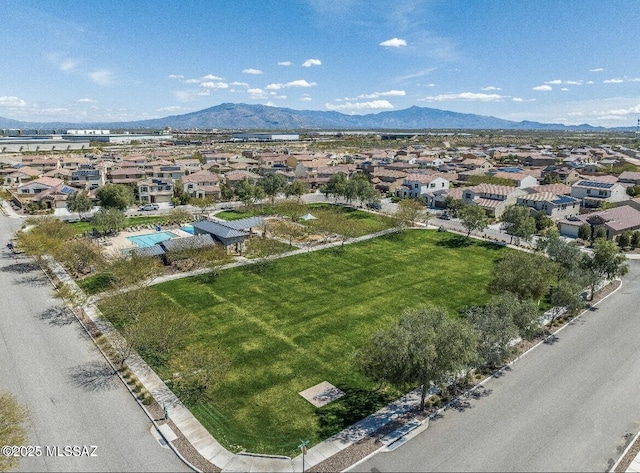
634, 191
499, 323
337, 185
196, 370
635, 239
293, 209
584, 231
473, 217
624, 240
110, 220
203, 203
287, 230
44, 235
453, 205
409, 212
607, 262
297, 188
115, 196
425, 347
13, 429
80, 257
79, 202
565, 295
528, 276
518, 222
272, 184
543, 221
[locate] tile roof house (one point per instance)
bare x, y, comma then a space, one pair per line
494, 199
593, 193
553, 205
19, 176
202, 184
629, 177
419, 185
155, 190
615, 221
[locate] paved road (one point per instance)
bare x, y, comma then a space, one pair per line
49, 363
565, 406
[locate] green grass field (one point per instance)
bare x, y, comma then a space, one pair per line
299, 320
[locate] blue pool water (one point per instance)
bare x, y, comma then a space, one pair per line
150, 239
187, 228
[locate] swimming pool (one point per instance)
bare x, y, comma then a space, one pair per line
150, 239
187, 228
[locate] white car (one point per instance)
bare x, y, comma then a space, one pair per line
146, 207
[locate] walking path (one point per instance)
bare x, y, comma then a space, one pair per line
206, 445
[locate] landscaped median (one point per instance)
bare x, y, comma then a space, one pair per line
297, 321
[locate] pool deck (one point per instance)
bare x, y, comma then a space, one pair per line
113, 246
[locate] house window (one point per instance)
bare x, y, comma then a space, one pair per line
415, 186
467, 196
588, 191
602, 193
433, 184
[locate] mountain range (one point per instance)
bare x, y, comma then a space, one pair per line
240, 116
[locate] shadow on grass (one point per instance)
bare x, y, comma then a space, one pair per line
455, 242
58, 316
94, 376
355, 405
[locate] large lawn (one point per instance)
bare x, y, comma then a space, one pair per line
299, 321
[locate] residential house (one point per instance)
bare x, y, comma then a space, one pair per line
520, 179
553, 205
419, 185
73, 162
171, 171
593, 193
127, 175
494, 199
539, 160
615, 221
155, 190
19, 176
33, 188
629, 177
233, 177
87, 176
41, 163
202, 184
564, 174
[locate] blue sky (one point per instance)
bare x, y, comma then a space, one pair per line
558, 61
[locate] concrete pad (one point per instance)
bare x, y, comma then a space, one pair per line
167, 432
321, 394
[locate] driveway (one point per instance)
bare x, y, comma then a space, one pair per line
569, 405
54, 369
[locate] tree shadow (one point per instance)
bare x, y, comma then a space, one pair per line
33, 280
551, 340
19, 268
94, 376
352, 414
455, 242
58, 316
501, 372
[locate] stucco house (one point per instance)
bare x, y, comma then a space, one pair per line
593, 193
555, 206
419, 185
615, 221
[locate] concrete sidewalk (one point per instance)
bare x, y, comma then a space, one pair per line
208, 447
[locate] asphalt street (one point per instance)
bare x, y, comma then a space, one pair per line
53, 368
568, 405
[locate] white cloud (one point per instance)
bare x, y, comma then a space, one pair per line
11, 101
102, 77
256, 72
544, 88
312, 62
393, 43
176, 76
598, 69
173, 108
256, 93
86, 100
306, 98
211, 77
68, 65
295, 83
373, 105
564, 89
520, 99
470, 96
613, 81
489, 88
554, 82
192, 81
285, 63
573, 82
214, 85
375, 95
239, 84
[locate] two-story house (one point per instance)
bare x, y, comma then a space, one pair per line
593, 193
494, 199
87, 176
202, 184
155, 191
555, 206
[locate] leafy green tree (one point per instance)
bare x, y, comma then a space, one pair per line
13, 427
624, 240
115, 196
109, 220
293, 209
453, 205
80, 257
425, 347
528, 276
566, 295
411, 211
635, 239
337, 185
273, 184
600, 233
518, 222
296, 188
204, 204
543, 221
473, 217
584, 231
79, 202
606, 262
44, 236
634, 191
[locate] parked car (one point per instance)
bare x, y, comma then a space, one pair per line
374, 205
445, 216
147, 207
